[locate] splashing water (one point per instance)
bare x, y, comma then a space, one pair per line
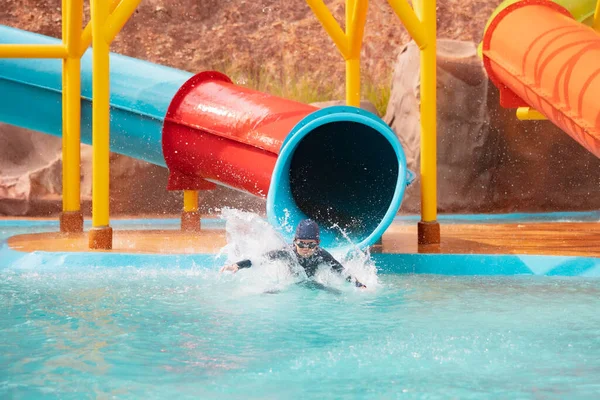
249, 237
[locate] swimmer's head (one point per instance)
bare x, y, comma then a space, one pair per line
307, 237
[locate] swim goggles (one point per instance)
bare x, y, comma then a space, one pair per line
304, 245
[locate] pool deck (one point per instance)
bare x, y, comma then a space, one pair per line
533, 238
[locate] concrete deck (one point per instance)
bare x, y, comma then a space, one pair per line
547, 238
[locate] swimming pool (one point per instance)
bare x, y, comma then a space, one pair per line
184, 331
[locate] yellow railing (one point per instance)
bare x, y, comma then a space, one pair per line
106, 21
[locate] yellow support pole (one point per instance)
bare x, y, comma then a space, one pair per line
411, 22
190, 217
331, 26
356, 15
353, 60
71, 218
118, 18
528, 114
353, 82
356, 22
190, 200
33, 51
86, 35
596, 23
428, 228
101, 233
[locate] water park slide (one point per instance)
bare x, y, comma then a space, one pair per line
540, 54
338, 165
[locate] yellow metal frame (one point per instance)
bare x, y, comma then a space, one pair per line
426, 12
100, 115
72, 11
529, 114
421, 24
108, 19
106, 22
349, 43
190, 200
32, 51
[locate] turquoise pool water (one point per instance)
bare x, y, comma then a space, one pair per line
182, 330
190, 333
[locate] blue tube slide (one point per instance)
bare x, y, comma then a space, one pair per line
344, 168
140, 93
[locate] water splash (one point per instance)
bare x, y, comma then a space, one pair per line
358, 262
250, 237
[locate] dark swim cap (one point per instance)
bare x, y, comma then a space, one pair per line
308, 230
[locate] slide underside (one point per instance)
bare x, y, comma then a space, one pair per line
540, 55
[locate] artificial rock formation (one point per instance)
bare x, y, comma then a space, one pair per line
29, 168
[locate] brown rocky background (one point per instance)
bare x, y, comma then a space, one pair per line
488, 160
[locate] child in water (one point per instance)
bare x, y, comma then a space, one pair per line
305, 251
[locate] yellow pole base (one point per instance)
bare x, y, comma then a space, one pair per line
71, 222
101, 238
190, 221
428, 232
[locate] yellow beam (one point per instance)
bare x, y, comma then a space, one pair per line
356, 24
353, 62
411, 22
33, 51
428, 113
356, 15
63, 9
71, 95
350, 4
100, 115
353, 82
596, 23
190, 200
526, 114
86, 35
118, 18
331, 26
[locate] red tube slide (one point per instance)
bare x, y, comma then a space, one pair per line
341, 166
539, 56
215, 131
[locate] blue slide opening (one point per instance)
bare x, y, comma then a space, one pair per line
344, 168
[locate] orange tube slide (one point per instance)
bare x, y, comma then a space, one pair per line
539, 56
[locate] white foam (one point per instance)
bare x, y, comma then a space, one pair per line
249, 237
